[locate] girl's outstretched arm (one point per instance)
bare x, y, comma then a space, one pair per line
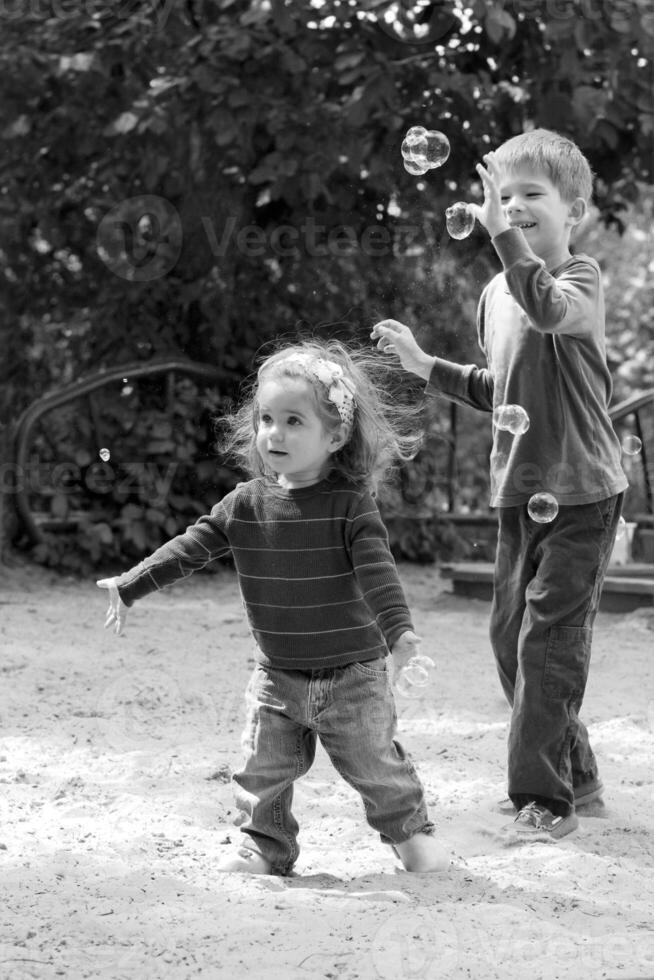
117, 611
394, 337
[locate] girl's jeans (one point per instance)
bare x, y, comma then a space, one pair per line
352, 711
548, 579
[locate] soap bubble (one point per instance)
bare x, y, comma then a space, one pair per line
542, 508
105, 455
411, 24
622, 527
511, 418
414, 168
424, 148
407, 690
418, 670
459, 220
415, 674
632, 445
415, 133
413, 143
438, 148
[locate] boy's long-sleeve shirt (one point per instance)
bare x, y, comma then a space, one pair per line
316, 574
543, 337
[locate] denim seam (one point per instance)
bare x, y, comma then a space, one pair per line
368, 671
278, 812
610, 527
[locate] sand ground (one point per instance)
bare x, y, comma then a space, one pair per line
115, 762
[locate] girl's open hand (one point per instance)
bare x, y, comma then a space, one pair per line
490, 213
117, 611
405, 647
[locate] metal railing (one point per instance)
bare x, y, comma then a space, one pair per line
170, 367
633, 406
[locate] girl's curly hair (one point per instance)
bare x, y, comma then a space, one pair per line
386, 427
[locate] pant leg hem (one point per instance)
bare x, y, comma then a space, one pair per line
280, 870
427, 828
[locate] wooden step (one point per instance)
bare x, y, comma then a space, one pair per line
626, 587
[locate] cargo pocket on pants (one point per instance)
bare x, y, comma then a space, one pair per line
566, 661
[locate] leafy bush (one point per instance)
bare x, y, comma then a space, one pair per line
268, 135
160, 472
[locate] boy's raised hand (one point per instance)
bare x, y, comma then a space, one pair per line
490, 213
394, 337
117, 611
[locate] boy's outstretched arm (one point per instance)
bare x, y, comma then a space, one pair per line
117, 611
394, 337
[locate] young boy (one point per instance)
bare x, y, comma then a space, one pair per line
541, 327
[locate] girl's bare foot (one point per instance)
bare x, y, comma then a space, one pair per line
422, 852
246, 861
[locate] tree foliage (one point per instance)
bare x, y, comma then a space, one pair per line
203, 176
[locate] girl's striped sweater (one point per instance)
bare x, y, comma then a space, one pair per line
315, 570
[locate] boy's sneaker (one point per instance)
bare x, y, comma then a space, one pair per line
584, 794
536, 822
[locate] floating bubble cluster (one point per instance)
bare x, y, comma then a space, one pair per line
542, 508
424, 149
415, 674
105, 455
414, 168
437, 149
632, 445
511, 418
459, 220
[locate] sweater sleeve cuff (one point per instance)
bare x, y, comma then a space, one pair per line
447, 377
396, 632
136, 584
511, 247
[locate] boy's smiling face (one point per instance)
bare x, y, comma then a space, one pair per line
534, 204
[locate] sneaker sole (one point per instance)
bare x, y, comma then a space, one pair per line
507, 808
566, 826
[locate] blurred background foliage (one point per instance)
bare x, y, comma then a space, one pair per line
200, 178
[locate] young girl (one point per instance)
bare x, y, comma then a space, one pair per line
322, 595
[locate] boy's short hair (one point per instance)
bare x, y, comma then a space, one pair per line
554, 155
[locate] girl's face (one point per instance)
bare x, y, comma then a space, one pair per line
291, 438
